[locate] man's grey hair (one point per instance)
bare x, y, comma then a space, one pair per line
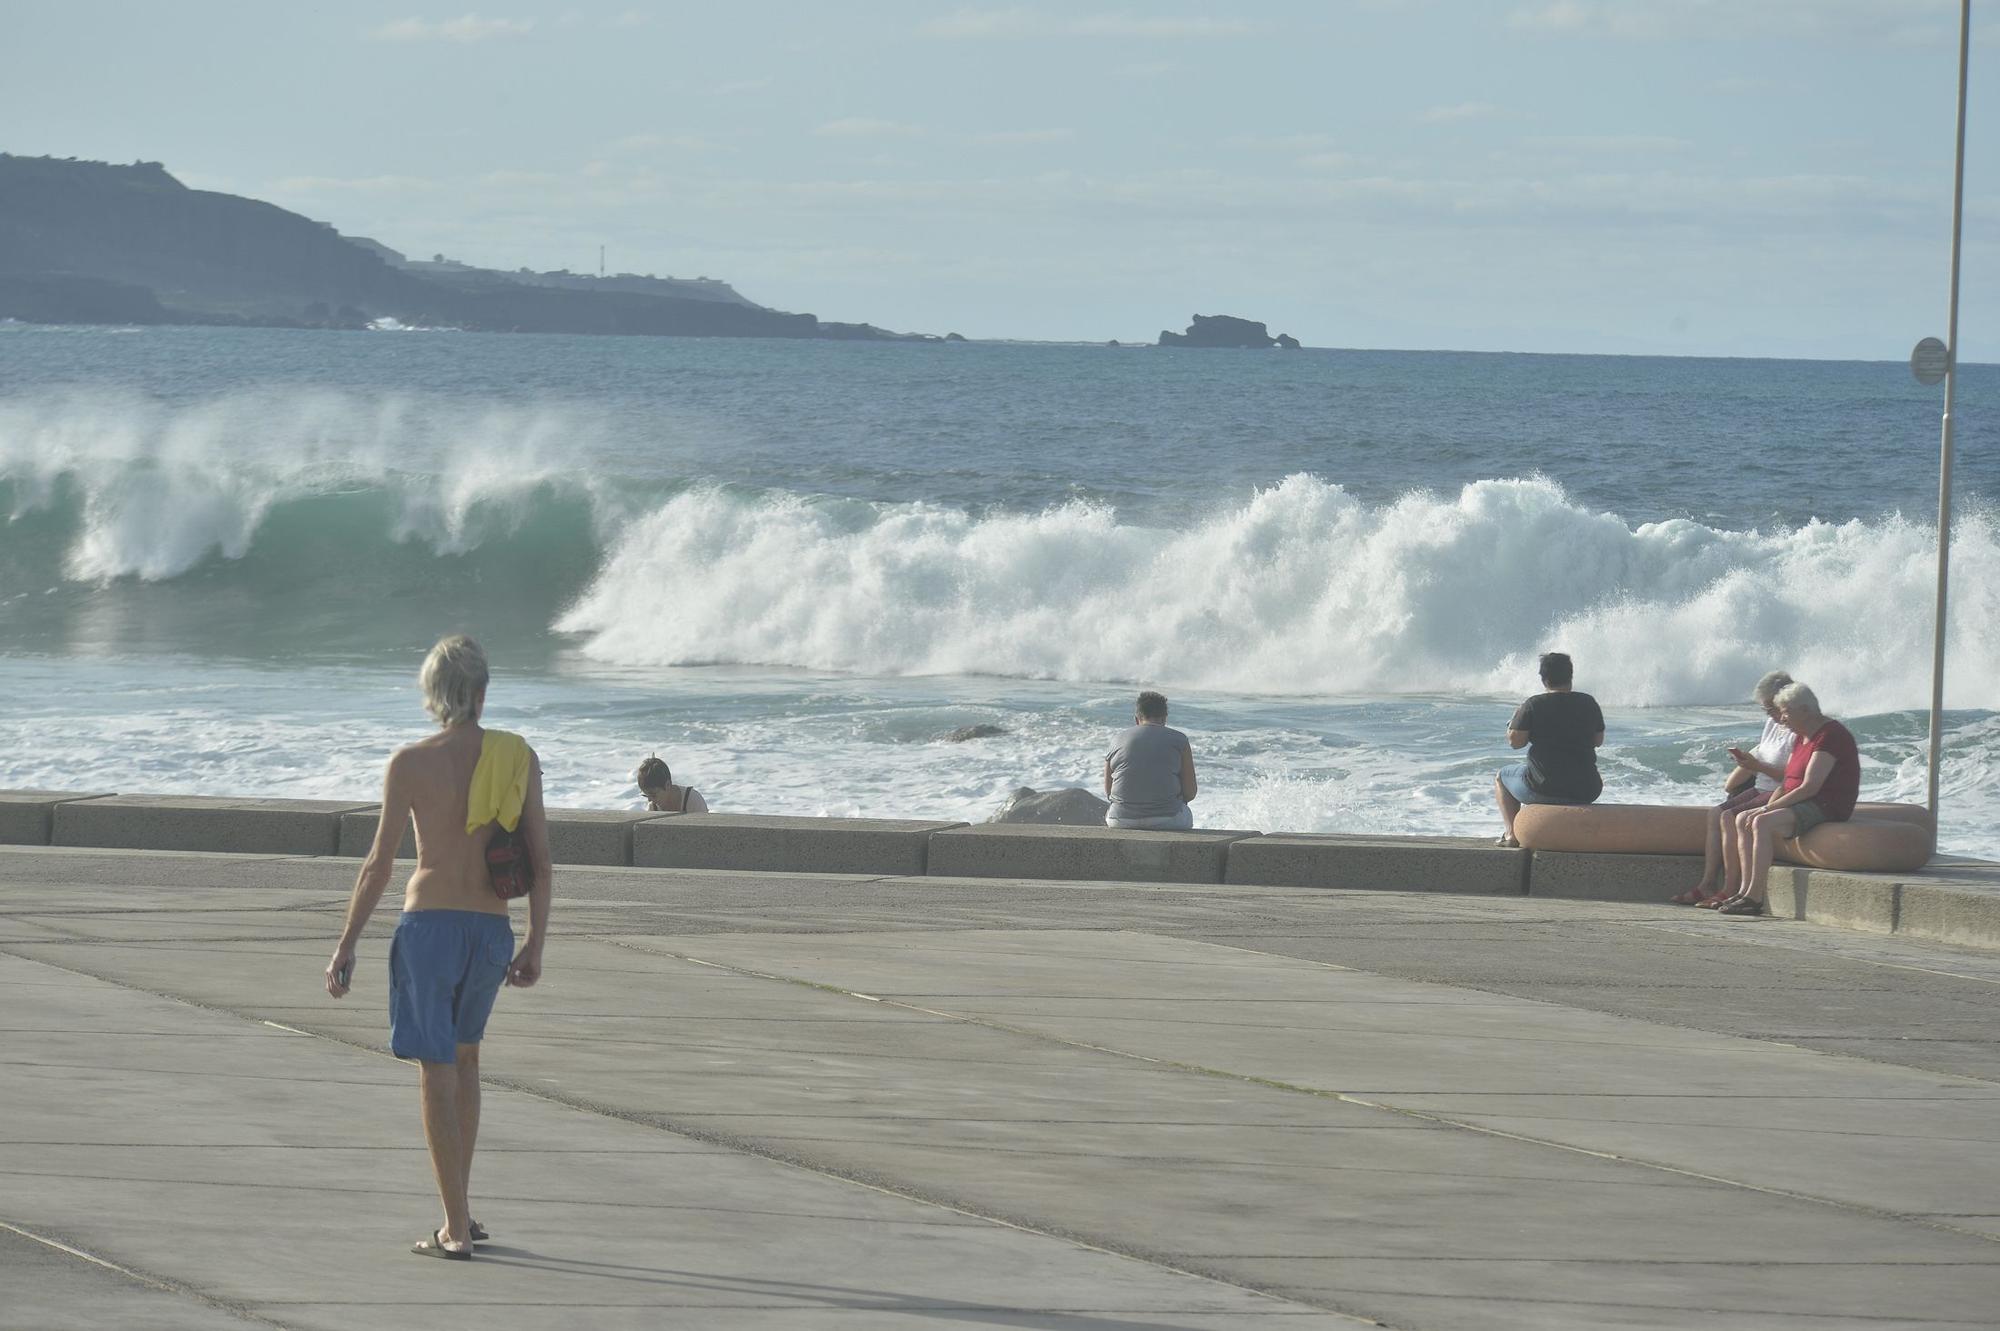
1797, 697
454, 678
1769, 687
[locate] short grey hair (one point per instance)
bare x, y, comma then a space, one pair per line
1797, 697
454, 678
1769, 687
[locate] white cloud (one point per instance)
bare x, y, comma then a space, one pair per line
1904, 22
1025, 136
969, 23
1555, 16
632, 18
865, 127
1460, 111
464, 28
352, 185
640, 143
1610, 143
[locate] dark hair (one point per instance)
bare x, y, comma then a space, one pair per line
653, 775
1557, 670
1153, 706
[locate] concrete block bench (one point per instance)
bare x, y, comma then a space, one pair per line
1089, 854
1879, 838
576, 836
773, 844
1379, 864
202, 822
1611, 875
27, 817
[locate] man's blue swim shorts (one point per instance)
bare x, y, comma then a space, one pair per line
445, 967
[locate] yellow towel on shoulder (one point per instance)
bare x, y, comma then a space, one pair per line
499, 782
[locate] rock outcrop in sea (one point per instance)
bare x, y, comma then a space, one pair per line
1069, 807
1226, 330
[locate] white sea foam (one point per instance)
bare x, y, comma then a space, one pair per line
1301, 590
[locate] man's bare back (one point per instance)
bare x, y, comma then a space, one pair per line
429, 781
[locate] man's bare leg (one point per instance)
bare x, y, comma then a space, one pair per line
440, 1091
1509, 806
468, 1121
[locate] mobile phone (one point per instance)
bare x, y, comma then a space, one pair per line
345, 974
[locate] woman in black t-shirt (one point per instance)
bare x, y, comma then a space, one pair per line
1562, 731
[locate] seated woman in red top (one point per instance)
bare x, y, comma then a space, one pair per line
1822, 782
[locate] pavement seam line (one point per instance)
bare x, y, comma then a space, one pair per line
656, 1124
159, 1283
1343, 1097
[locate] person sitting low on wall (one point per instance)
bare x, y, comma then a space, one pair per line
1562, 731
1822, 782
656, 782
1750, 785
1149, 773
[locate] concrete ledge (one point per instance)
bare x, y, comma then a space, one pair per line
1963, 913
200, 822
357, 834
1828, 896
1379, 864
1604, 876
773, 844
27, 817
576, 836
1091, 854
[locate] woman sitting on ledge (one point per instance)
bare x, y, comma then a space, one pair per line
1750, 786
1822, 783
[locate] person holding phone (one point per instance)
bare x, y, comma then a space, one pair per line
1750, 785
454, 948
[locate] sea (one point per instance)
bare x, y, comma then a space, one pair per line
800, 571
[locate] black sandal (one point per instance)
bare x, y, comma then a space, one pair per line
1743, 906
434, 1247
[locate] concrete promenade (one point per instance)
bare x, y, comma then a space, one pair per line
851, 1101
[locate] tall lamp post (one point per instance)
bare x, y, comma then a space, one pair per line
1930, 362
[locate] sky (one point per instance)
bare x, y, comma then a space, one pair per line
1698, 177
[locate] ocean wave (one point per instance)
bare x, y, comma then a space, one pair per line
1301, 589
105, 486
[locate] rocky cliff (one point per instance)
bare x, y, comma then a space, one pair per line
91, 242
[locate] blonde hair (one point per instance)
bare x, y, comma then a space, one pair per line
454, 680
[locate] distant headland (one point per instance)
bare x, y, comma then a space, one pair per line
96, 243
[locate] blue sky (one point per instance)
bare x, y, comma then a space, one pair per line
1729, 177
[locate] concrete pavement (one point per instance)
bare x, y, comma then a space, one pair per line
747, 1100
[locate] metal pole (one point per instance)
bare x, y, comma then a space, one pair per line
1944, 447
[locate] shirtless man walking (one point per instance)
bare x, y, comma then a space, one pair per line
453, 947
